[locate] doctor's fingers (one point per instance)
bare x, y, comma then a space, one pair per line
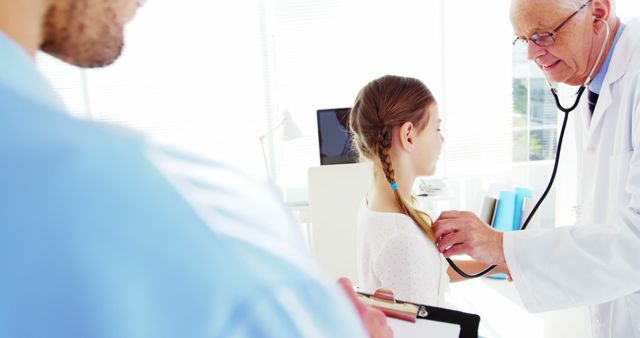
442, 227
451, 239
458, 249
455, 214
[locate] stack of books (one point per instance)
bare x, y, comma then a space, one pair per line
508, 212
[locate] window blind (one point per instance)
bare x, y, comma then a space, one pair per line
192, 74
325, 51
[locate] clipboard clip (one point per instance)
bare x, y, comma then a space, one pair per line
384, 301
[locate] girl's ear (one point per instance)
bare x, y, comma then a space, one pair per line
406, 136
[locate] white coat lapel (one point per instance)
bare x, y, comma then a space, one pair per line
585, 114
604, 101
617, 67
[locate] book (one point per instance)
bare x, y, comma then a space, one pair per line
529, 203
488, 209
503, 220
521, 195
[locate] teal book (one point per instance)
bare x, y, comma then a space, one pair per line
521, 194
503, 219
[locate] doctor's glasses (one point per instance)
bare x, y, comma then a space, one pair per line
548, 38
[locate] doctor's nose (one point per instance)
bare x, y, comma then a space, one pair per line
534, 51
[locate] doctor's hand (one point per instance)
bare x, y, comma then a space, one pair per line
462, 232
374, 321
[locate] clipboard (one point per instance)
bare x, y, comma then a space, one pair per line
410, 320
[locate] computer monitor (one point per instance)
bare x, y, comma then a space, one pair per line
334, 137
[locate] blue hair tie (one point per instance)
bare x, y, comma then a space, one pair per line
394, 186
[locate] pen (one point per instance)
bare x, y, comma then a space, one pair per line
384, 301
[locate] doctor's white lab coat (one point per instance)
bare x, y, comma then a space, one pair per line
597, 262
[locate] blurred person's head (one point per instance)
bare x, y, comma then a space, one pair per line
569, 53
85, 33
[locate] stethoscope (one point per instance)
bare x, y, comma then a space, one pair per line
566, 111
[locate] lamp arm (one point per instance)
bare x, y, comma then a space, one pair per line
264, 151
261, 137
264, 156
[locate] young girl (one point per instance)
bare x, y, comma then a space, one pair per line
396, 126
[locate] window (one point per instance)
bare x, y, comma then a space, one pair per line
176, 83
325, 51
535, 117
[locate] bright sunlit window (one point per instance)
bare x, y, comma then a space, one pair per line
193, 73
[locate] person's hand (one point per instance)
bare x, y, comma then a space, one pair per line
375, 322
462, 232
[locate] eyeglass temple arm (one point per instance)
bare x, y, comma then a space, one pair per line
572, 15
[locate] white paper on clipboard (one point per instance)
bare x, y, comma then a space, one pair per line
410, 320
423, 328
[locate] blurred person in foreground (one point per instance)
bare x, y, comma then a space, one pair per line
105, 235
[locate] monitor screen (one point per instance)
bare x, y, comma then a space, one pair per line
334, 137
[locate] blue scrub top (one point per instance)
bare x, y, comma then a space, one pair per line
104, 235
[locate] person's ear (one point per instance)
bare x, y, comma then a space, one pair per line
407, 135
601, 9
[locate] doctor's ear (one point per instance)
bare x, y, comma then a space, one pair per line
601, 10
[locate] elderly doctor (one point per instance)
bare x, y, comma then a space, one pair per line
597, 262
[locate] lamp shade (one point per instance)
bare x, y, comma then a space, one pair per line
290, 131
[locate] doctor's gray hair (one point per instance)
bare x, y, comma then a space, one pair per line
560, 4
570, 4
380, 106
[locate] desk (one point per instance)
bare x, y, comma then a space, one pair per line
302, 213
503, 315
501, 311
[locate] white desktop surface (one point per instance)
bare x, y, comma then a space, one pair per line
502, 314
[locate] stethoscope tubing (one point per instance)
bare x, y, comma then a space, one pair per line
549, 185
566, 112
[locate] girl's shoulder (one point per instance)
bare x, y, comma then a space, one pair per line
386, 225
395, 220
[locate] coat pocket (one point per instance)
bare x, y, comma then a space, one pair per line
633, 306
619, 168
